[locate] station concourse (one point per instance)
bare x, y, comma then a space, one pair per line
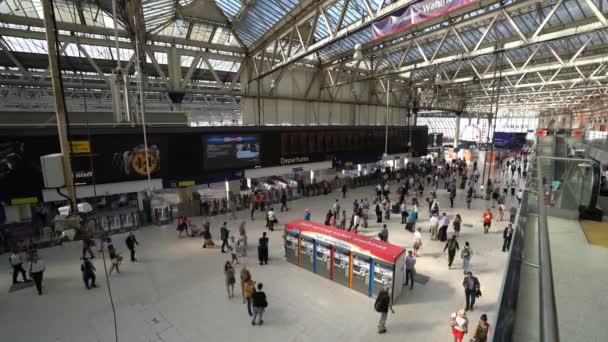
132, 131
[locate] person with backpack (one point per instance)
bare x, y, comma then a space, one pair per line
131, 241
263, 249
224, 233
88, 273
230, 278
382, 304
344, 191
259, 303
452, 247
466, 254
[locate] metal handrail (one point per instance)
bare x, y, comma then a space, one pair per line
548, 329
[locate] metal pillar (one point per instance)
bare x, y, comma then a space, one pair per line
62, 123
457, 130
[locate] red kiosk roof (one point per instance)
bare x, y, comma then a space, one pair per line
348, 240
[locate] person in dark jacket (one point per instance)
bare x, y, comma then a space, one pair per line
224, 232
507, 235
344, 191
452, 247
259, 304
131, 241
471, 290
383, 234
382, 304
263, 249
87, 243
88, 273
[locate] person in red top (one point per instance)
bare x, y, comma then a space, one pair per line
487, 221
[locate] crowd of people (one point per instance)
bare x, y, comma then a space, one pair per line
398, 193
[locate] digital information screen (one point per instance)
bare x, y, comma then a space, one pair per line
231, 151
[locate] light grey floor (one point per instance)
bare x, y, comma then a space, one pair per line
176, 293
580, 273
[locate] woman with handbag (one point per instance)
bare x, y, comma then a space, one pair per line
482, 332
459, 324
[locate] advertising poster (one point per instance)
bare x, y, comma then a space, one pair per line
231, 151
509, 140
414, 14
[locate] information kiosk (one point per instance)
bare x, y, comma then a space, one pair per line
359, 262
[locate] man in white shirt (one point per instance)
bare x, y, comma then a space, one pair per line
403, 212
443, 228
417, 241
434, 224
36, 270
337, 209
16, 261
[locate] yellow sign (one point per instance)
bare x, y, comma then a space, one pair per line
81, 146
185, 183
24, 200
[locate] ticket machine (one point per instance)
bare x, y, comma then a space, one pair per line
307, 257
341, 266
323, 257
291, 247
383, 276
361, 273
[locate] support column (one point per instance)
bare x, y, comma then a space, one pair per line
62, 123
457, 130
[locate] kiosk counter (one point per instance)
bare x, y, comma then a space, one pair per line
359, 262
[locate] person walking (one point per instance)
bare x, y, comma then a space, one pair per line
115, 257
224, 233
230, 278
87, 243
451, 246
131, 241
466, 254
512, 214
307, 215
471, 290
242, 239
403, 211
233, 248
36, 270
433, 225
263, 249
383, 234
16, 261
507, 236
513, 186
417, 241
254, 205
382, 304
456, 224
272, 219
444, 223
469, 197
378, 213
410, 269
88, 273
284, 202
482, 331
501, 211
259, 303
459, 324
248, 289
343, 220
519, 195
487, 221
344, 191
336, 208
328, 217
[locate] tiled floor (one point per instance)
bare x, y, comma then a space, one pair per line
176, 292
